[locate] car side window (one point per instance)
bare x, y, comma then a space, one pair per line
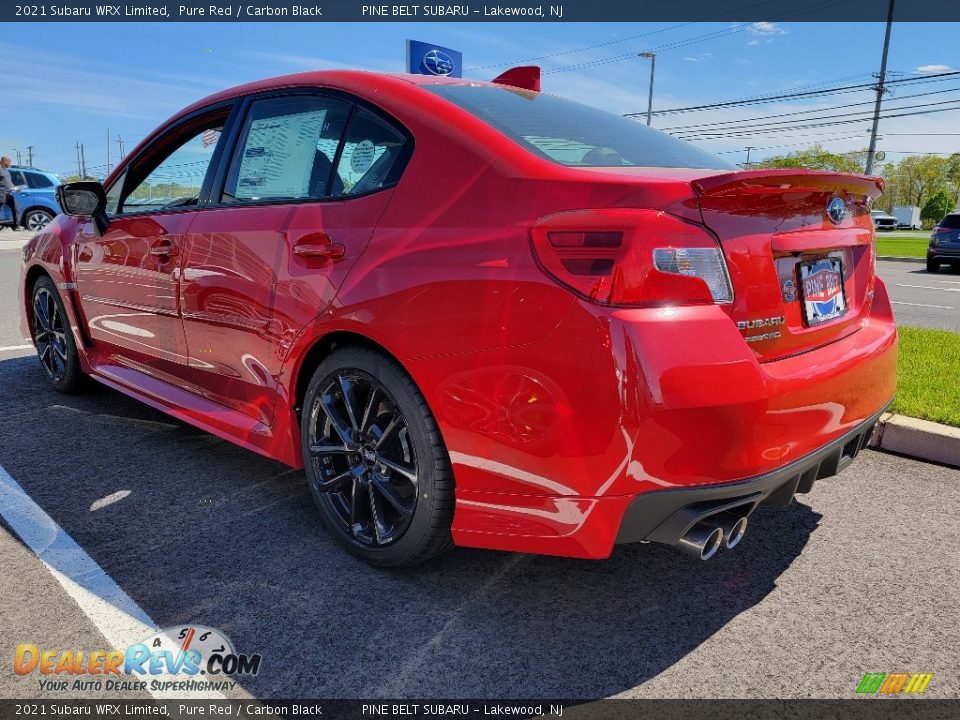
36, 180
286, 150
372, 154
176, 180
17, 178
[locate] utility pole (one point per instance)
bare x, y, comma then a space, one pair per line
29, 155
122, 153
19, 159
746, 165
79, 168
108, 151
83, 163
652, 57
880, 91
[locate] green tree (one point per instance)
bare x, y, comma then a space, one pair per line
918, 177
816, 157
953, 169
937, 206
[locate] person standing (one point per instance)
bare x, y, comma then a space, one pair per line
7, 188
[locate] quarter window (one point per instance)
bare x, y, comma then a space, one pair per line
287, 149
372, 154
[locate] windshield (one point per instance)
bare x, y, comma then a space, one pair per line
572, 134
951, 221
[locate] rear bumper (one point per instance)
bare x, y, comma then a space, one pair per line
940, 253
666, 515
679, 408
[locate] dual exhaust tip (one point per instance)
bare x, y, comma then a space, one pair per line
723, 530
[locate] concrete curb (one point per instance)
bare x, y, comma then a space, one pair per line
922, 261
919, 439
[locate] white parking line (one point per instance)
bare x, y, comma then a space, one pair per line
938, 307
16, 347
930, 287
114, 613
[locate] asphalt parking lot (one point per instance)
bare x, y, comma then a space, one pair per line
922, 299
861, 575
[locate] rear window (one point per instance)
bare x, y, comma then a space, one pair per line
951, 221
572, 134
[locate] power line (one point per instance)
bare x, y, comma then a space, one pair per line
746, 133
801, 112
756, 100
787, 124
775, 147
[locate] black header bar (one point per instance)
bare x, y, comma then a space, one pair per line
499, 11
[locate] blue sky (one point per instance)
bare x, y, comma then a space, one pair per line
64, 83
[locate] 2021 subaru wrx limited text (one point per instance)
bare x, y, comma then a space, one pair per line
476, 314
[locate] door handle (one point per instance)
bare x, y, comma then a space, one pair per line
318, 245
164, 249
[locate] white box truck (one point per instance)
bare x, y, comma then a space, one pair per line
908, 217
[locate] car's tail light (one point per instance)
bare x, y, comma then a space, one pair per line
632, 257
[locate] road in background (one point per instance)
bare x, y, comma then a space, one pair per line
922, 299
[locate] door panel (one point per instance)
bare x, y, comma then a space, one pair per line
253, 278
127, 280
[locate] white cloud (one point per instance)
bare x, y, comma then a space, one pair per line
691, 59
933, 68
767, 28
753, 42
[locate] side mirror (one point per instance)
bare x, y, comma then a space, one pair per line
85, 199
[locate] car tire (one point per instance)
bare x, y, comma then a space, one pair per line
53, 338
36, 219
375, 461
933, 266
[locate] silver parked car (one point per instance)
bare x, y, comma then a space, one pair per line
883, 220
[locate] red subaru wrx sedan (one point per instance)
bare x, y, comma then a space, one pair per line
476, 314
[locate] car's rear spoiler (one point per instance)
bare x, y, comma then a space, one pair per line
783, 180
526, 77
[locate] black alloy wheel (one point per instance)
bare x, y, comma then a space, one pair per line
53, 338
377, 467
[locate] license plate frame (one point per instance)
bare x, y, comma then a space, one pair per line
822, 293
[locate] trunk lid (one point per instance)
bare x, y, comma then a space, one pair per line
801, 278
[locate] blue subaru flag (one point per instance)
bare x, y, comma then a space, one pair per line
426, 59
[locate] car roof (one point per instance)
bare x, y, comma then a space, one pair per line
31, 169
355, 81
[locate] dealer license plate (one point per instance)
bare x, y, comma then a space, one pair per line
821, 289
